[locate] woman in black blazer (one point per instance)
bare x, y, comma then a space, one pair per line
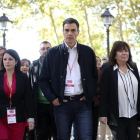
119, 93
15, 96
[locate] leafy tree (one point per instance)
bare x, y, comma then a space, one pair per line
47, 17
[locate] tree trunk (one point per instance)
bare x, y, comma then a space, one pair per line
54, 27
88, 29
126, 35
120, 21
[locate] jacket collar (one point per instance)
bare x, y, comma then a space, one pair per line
66, 47
75, 46
40, 62
116, 67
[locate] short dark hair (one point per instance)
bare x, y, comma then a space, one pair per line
23, 60
70, 21
98, 57
45, 42
105, 58
2, 48
120, 45
15, 55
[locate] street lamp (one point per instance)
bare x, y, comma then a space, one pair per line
107, 20
4, 23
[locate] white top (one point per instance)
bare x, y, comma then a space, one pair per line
127, 92
75, 73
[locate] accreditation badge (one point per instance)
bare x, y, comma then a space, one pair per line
11, 115
69, 86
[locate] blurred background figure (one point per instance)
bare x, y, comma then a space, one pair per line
98, 62
28, 135
102, 126
104, 63
25, 63
95, 105
2, 50
104, 60
44, 111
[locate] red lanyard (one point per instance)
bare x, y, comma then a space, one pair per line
72, 64
10, 89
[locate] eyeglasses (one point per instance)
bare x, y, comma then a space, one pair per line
43, 49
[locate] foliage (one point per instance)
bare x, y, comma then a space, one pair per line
46, 18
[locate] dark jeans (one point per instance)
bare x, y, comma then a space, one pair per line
126, 130
95, 111
46, 122
74, 111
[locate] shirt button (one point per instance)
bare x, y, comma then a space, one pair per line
61, 76
83, 79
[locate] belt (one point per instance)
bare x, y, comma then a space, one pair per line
74, 97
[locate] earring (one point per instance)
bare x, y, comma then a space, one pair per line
16, 64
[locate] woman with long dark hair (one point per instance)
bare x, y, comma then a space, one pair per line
15, 98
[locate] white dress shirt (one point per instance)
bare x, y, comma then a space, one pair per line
75, 72
127, 92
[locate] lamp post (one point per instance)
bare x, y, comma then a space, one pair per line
4, 22
107, 20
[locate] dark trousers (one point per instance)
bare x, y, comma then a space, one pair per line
46, 122
95, 111
74, 111
28, 135
126, 129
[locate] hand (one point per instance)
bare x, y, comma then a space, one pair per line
83, 98
65, 101
56, 102
103, 120
31, 125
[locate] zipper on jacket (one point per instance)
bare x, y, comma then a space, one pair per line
64, 75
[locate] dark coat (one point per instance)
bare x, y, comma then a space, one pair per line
53, 73
33, 74
109, 95
21, 99
104, 66
96, 97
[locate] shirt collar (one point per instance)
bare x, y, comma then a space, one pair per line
116, 67
75, 46
129, 67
